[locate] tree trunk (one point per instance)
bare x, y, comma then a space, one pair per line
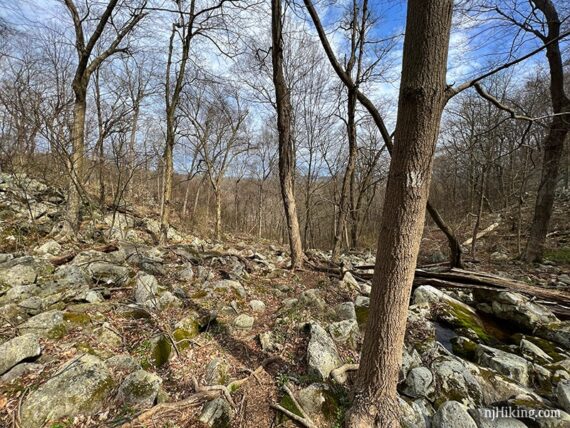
421, 102
218, 201
286, 147
347, 179
479, 211
554, 143
76, 160
167, 179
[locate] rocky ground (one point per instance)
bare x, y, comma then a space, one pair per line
113, 330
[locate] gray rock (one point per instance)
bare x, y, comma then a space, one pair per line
93, 296
20, 370
226, 286
139, 389
346, 332
564, 278
454, 378
169, 300
419, 383
510, 365
123, 363
533, 353
50, 247
217, 372
257, 306
558, 332
268, 342
146, 290
452, 414
409, 361
515, 308
365, 289
349, 282
80, 388
312, 398
312, 298
345, 311
216, 413
322, 354
47, 324
17, 350
244, 322
410, 417
22, 270
108, 273
488, 418
563, 394
186, 274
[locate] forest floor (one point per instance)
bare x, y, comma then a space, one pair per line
113, 330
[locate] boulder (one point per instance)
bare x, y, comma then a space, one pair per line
146, 290
312, 299
514, 308
452, 414
419, 383
49, 324
217, 372
345, 311
322, 354
49, 248
108, 273
139, 389
510, 365
345, 332
226, 286
216, 413
453, 378
563, 394
490, 418
80, 388
257, 306
410, 416
17, 350
244, 322
558, 332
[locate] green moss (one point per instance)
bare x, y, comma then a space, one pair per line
199, 294
183, 336
78, 318
161, 351
57, 332
460, 317
362, 315
464, 348
547, 346
85, 347
288, 404
558, 255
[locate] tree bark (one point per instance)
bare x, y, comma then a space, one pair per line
421, 102
344, 202
286, 146
554, 143
76, 159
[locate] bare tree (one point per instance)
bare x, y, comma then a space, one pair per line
422, 99
286, 143
86, 66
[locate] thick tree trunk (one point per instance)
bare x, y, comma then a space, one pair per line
286, 146
421, 102
554, 143
76, 159
347, 179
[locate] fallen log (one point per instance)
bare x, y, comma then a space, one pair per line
481, 234
557, 300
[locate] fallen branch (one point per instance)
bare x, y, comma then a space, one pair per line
482, 233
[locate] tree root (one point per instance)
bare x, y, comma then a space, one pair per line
304, 420
339, 374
